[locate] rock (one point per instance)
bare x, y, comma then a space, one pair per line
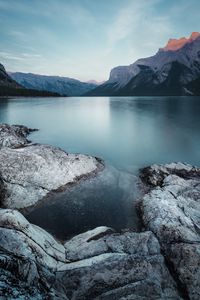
115, 266
34, 265
155, 174
29, 257
172, 212
29, 173
14, 136
84, 245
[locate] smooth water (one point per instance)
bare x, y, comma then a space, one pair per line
127, 132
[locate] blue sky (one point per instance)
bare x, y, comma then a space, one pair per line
85, 39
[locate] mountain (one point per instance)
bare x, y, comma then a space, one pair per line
9, 87
6, 80
95, 82
173, 70
61, 85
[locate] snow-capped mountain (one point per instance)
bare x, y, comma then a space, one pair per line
61, 85
173, 70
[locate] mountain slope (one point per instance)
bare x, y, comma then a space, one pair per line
61, 85
173, 70
6, 80
9, 87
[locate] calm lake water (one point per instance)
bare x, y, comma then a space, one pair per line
127, 132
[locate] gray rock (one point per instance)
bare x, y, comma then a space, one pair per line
172, 211
29, 257
14, 136
125, 266
84, 245
155, 174
34, 266
29, 173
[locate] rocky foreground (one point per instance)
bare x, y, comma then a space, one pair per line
29, 172
161, 262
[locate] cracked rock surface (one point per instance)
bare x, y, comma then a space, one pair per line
171, 210
14, 136
30, 172
29, 257
101, 265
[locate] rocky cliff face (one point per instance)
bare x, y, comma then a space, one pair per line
173, 70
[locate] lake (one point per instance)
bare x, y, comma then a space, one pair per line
127, 132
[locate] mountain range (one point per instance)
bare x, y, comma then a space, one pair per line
173, 70
62, 85
9, 87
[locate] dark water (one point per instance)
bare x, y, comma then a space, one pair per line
128, 133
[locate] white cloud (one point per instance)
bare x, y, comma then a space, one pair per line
140, 27
16, 56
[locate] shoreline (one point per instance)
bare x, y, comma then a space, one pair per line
160, 262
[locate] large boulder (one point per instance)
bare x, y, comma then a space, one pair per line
110, 265
14, 136
155, 174
29, 258
35, 266
172, 212
28, 172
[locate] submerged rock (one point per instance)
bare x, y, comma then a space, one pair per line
29, 173
172, 212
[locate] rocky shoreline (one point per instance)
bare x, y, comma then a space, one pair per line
161, 262
29, 172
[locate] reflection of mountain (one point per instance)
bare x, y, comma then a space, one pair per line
61, 85
173, 70
9, 87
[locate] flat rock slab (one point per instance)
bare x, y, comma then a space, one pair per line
30, 172
171, 210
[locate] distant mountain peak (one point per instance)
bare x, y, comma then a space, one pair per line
92, 81
56, 84
176, 44
173, 70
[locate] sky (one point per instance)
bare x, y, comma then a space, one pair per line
85, 39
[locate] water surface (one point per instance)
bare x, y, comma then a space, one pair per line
127, 132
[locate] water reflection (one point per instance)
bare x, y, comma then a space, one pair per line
107, 199
128, 133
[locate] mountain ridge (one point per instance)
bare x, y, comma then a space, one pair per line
61, 85
9, 87
158, 71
